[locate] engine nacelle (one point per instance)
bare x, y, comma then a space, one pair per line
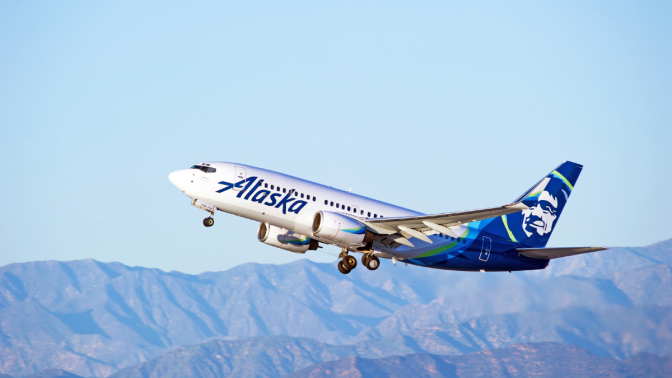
340, 229
285, 239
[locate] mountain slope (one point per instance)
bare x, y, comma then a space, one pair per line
524, 360
92, 318
633, 331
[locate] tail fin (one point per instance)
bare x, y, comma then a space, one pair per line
546, 200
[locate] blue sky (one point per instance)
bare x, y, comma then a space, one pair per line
434, 106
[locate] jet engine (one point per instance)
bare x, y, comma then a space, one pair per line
285, 239
340, 229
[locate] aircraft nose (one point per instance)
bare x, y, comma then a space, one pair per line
177, 178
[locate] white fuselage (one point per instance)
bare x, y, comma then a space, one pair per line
204, 186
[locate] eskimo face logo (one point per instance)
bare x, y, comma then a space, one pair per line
540, 217
293, 205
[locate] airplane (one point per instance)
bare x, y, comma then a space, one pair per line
298, 215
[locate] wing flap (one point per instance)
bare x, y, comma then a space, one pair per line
417, 222
554, 253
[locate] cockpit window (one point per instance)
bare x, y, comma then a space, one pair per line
204, 168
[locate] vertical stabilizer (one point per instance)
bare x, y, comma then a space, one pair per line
546, 201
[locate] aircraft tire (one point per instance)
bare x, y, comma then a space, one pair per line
208, 222
342, 268
372, 263
350, 262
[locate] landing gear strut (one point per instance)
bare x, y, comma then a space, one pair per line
207, 222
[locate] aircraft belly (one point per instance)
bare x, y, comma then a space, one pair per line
469, 261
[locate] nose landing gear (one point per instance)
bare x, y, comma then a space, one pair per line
207, 222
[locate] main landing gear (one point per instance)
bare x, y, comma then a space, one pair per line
208, 222
348, 263
370, 261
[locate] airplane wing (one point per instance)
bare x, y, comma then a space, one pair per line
401, 229
554, 253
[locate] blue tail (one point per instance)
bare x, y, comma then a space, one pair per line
546, 200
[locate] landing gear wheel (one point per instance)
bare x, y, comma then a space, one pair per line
350, 262
372, 262
208, 222
342, 268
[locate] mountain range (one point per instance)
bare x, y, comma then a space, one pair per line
92, 318
277, 356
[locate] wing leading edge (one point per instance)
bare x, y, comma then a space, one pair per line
404, 228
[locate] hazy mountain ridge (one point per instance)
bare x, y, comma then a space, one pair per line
275, 356
523, 360
92, 318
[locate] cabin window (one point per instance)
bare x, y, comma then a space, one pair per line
272, 187
362, 213
369, 214
326, 202
284, 190
301, 195
375, 215
266, 185
348, 208
332, 203
296, 194
314, 198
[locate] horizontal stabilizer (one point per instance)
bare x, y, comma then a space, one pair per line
554, 253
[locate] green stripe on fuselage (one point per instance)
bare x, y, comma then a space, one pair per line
446, 247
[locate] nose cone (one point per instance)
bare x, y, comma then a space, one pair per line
177, 178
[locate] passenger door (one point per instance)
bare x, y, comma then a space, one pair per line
485, 249
240, 176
